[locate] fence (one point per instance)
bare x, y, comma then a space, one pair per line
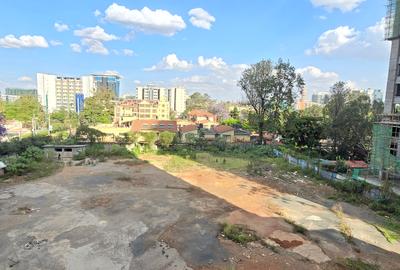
304, 165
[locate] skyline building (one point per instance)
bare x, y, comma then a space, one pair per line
176, 96
20, 92
320, 98
57, 92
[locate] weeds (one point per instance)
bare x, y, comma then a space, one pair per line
357, 264
344, 228
296, 227
238, 233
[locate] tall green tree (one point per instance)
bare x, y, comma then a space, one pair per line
63, 120
271, 90
235, 114
99, 108
349, 122
25, 109
303, 130
199, 101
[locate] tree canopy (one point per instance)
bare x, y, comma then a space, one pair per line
99, 108
271, 90
24, 109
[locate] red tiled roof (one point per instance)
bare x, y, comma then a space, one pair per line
188, 128
352, 164
200, 113
154, 125
222, 129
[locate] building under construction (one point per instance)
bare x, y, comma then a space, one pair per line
385, 156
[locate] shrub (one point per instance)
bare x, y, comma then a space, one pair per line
149, 137
166, 138
257, 167
238, 234
34, 153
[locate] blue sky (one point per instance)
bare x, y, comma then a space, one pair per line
202, 45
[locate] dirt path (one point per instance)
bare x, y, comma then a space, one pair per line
324, 225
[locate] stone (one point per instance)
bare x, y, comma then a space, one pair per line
311, 252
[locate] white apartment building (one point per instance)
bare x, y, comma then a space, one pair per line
59, 92
175, 96
374, 94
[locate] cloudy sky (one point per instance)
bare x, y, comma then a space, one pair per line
202, 45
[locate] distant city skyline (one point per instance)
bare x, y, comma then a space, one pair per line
200, 46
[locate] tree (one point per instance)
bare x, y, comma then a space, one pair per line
304, 130
314, 111
24, 109
166, 138
271, 90
349, 123
198, 101
377, 109
99, 108
235, 114
219, 109
149, 137
84, 133
63, 120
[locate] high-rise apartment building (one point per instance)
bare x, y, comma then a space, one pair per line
128, 110
21, 92
60, 92
175, 96
107, 82
321, 98
374, 94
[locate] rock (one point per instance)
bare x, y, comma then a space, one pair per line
311, 252
313, 218
286, 239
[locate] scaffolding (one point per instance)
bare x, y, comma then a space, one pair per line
392, 27
384, 155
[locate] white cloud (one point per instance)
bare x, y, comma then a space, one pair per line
97, 13
55, 43
61, 27
137, 82
127, 52
171, 62
96, 33
323, 17
146, 20
94, 46
332, 40
24, 41
343, 5
76, 47
25, 79
201, 18
317, 80
348, 42
213, 63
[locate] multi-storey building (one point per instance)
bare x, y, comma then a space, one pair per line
21, 92
385, 156
321, 97
108, 82
132, 109
61, 92
374, 94
176, 96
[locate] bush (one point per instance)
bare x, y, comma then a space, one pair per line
98, 151
238, 234
257, 167
34, 153
166, 138
351, 186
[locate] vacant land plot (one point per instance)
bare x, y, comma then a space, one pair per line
124, 215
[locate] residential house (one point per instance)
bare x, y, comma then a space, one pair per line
153, 125
220, 131
188, 131
203, 118
241, 135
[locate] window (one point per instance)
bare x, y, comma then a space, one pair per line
395, 132
397, 90
396, 108
67, 149
393, 149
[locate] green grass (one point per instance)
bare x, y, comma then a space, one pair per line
222, 162
43, 169
357, 264
390, 230
178, 164
238, 233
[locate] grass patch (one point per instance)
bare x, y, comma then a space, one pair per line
222, 162
357, 264
178, 164
390, 235
296, 227
43, 169
238, 233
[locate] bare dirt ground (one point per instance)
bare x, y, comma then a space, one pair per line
297, 200
130, 215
